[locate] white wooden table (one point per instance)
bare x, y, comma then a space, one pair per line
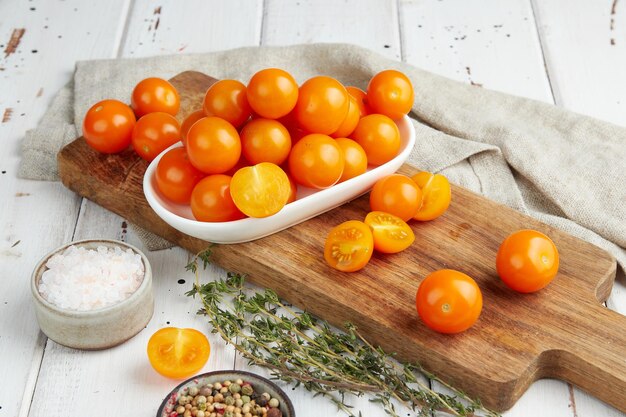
571, 53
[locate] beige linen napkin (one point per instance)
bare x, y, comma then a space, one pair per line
562, 168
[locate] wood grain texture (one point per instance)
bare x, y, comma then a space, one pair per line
560, 332
287, 22
371, 24
592, 60
36, 217
498, 49
168, 27
122, 375
488, 44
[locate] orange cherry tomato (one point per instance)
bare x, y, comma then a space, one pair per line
213, 145
188, 122
349, 246
176, 177
108, 126
361, 100
396, 194
355, 160
227, 99
527, 261
178, 353
155, 95
449, 301
316, 161
390, 93
351, 120
272, 93
211, 200
379, 136
322, 105
154, 133
265, 140
391, 233
260, 190
436, 195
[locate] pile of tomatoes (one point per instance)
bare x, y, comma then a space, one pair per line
447, 300
394, 200
250, 147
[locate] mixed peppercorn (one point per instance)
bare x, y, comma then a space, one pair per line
226, 399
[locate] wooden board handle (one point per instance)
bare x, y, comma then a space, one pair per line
595, 359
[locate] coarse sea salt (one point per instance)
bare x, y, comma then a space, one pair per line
87, 279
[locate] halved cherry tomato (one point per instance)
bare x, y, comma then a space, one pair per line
108, 126
227, 99
265, 140
449, 301
527, 261
154, 133
351, 120
176, 177
391, 233
213, 145
188, 122
361, 100
355, 160
390, 93
379, 136
155, 95
396, 194
316, 161
322, 105
436, 195
260, 190
211, 200
178, 353
272, 93
349, 246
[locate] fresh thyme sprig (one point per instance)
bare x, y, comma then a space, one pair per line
301, 349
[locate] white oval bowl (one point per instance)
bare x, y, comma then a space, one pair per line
309, 202
101, 328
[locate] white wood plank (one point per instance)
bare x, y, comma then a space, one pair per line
35, 217
372, 24
302, 21
585, 53
172, 27
487, 43
587, 66
494, 45
123, 375
585, 49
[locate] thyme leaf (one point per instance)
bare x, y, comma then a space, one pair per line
301, 349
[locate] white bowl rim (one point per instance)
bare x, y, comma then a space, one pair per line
145, 282
272, 384
249, 221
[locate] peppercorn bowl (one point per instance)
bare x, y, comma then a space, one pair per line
97, 328
236, 385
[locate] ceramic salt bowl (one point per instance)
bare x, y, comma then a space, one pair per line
259, 384
99, 328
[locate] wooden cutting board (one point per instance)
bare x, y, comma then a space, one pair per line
560, 332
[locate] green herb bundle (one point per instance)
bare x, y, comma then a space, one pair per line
298, 348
